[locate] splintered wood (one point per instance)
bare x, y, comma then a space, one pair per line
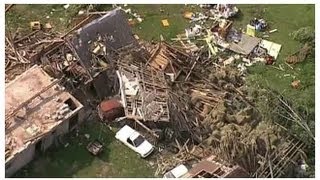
22, 51
144, 93
184, 155
166, 59
216, 113
202, 109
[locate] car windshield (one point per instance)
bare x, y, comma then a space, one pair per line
138, 141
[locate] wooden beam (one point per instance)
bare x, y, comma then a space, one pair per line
9, 7
145, 127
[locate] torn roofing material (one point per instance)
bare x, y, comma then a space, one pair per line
246, 45
214, 169
112, 27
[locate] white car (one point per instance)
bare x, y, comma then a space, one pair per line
135, 141
176, 172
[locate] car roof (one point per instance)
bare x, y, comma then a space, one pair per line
125, 132
134, 135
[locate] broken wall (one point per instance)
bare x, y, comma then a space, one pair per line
21, 159
63, 128
47, 141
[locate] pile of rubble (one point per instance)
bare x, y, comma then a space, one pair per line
200, 104
213, 32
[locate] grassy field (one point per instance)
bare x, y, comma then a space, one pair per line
119, 161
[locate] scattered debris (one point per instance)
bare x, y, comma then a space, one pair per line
8, 7
259, 24
165, 22
191, 99
87, 136
300, 55
66, 6
194, 31
245, 46
269, 60
274, 30
272, 48
295, 84
95, 147
225, 10
136, 37
188, 15
47, 27
35, 25
251, 31
81, 12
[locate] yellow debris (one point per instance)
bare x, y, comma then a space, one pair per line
188, 15
165, 23
35, 25
251, 31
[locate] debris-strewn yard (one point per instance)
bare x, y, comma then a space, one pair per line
236, 103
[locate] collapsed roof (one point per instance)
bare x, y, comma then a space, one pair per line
112, 28
33, 107
144, 93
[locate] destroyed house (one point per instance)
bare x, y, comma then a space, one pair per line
38, 111
112, 29
143, 93
96, 44
212, 169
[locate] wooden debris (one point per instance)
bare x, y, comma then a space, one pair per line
8, 7
35, 25
299, 56
165, 22
207, 112
188, 15
295, 84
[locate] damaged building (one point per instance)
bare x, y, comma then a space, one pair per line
38, 111
97, 43
193, 101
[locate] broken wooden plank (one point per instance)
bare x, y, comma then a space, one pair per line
145, 127
9, 7
194, 64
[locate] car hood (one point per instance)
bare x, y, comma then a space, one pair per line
144, 148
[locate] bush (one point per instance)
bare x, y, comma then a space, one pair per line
304, 35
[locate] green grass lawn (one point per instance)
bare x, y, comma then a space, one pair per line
151, 28
119, 161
